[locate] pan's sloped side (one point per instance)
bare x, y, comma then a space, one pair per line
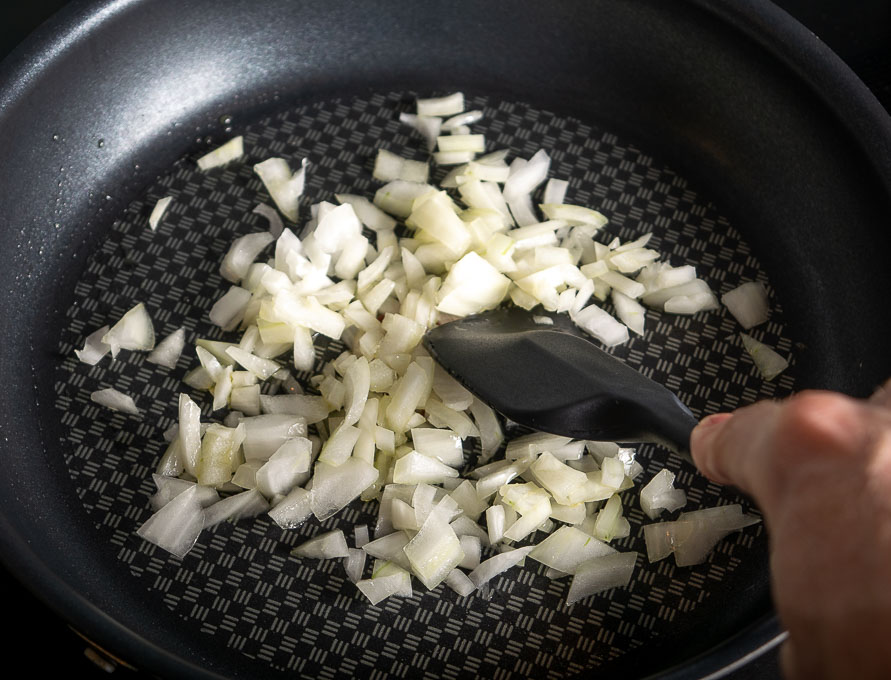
107, 87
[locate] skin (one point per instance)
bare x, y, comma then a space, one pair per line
818, 465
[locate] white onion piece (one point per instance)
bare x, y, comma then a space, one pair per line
339, 446
600, 574
390, 547
567, 548
533, 443
398, 197
262, 368
228, 311
354, 564
279, 474
659, 494
442, 445
171, 487
228, 152
433, 552
311, 408
458, 581
768, 362
326, 546
177, 525
242, 253
496, 565
472, 548
134, 331
462, 119
748, 304
238, 506
694, 534
379, 588
555, 191
461, 142
450, 392
158, 211
284, 187
276, 226
489, 427
472, 286
574, 214
415, 468
335, 487
630, 312
293, 510
389, 166
264, 434
115, 400
428, 127
168, 351
94, 349
602, 326
448, 105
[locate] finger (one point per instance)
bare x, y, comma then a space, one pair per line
727, 448
882, 396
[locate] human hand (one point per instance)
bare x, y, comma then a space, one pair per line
818, 465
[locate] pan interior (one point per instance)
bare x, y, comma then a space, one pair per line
238, 588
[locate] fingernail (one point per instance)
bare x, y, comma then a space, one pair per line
700, 439
714, 419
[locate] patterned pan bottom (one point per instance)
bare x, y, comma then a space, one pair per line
238, 588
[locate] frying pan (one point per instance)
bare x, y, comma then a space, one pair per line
725, 126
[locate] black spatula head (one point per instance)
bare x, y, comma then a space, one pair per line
555, 379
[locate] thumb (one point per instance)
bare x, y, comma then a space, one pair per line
729, 448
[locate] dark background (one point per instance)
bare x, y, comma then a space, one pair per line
859, 31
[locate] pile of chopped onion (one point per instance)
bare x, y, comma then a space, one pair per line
382, 421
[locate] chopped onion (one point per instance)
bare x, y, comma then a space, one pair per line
158, 211
177, 525
284, 187
115, 400
379, 588
330, 545
94, 349
134, 331
238, 506
168, 351
448, 105
228, 152
768, 362
600, 574
748, 304
601, 325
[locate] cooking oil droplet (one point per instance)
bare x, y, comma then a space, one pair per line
226, 119
55, 138
100, 143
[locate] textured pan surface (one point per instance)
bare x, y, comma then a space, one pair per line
738, 99
238, 587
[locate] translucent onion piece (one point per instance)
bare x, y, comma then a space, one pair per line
601, 325
228, 152
242, 253
448, 105
567, 548
177, 525
94, 349
284, 187
600, 574
238, 506
115, 400
134, 331
158, 211
659, 494
382, 587
276, 226
330, 545
335, 487
748, 304
354, 564
168, 351
768, 362
293, 510
433, 552
496, 565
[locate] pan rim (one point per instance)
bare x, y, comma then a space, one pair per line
841, 90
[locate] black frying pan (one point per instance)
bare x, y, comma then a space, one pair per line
779, 140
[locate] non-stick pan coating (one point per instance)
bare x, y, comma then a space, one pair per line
714, 131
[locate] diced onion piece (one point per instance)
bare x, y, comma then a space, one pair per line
228, 152
168, 351
284, 187
433, 552
283, 470
354, 564
115, 400
264, 434
694, 534
448, 105
453, 143
496, 565
442, 445
630, 311
415, 468
242, 253
600, 574
748, 304
228, 311
458, 581
473, 285
276, 227
238, 506
574, 214
177, 525
94, 349
568, 548
659, 494
428, 127
555, 191
333, 488
368, 213
134, 331
491, 433
462, 119
389, 166
601, 325
382, 587
293, 510
326, 546
768, 362
158, 211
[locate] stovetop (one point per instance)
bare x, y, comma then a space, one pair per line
859, 32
